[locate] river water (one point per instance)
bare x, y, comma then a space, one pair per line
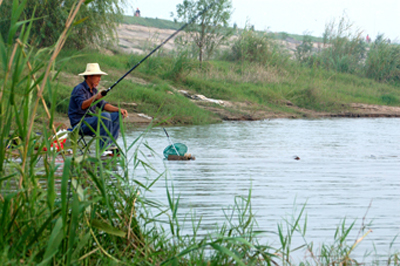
348, 169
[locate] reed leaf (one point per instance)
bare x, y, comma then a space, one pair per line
54, 242
107, 228
73, 226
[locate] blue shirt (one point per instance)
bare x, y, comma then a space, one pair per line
80, 94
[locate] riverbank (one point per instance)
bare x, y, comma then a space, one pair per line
225, 110
246, 111
172, 88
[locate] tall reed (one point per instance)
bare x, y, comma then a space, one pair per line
257, 47
343, 49
48, 218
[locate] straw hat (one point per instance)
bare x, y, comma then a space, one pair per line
92, 69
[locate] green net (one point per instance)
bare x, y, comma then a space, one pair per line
170, 150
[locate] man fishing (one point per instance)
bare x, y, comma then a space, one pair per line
82, 107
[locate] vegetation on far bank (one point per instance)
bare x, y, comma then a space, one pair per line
263, 84
254, 69
151, 22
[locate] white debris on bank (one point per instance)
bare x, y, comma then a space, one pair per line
145, 116
128, 104
199, 97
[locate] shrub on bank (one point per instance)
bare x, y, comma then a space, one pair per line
342, 49
383, 61
259, 48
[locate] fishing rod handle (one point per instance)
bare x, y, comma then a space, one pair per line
104, 92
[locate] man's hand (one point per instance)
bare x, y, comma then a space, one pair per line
86, 104
103, 92
100, 94
124, 113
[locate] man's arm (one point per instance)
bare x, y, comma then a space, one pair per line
111, 108
86, 104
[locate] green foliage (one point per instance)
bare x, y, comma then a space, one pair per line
60, 100
152, 22
383, 61
210, 30
343, 50
255, 47
297, 37
160, 102
181, 67
96, 21
390, 99
305, 50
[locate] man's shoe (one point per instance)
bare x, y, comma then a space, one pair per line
112, 147
114, 150
107, 153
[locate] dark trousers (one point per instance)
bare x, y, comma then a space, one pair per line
110, 121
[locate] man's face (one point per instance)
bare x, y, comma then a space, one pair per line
93, 81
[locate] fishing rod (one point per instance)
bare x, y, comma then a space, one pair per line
104, 92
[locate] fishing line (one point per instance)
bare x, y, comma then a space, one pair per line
179, 149
166, 133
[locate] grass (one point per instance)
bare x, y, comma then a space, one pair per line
297, 37
156, 99
151, 22
268, 87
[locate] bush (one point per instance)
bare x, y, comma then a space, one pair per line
390, 99
96, 21
305, 49
181, 67
344, 50
383, 61
261, 48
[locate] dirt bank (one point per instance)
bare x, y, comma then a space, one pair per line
250, 112
246, 111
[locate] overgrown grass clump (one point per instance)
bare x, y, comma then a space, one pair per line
344, 50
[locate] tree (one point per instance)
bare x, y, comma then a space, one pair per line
305, 50
99, 17
210, 30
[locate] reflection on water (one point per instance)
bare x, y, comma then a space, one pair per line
345, 166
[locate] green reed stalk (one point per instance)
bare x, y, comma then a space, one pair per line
57, 49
